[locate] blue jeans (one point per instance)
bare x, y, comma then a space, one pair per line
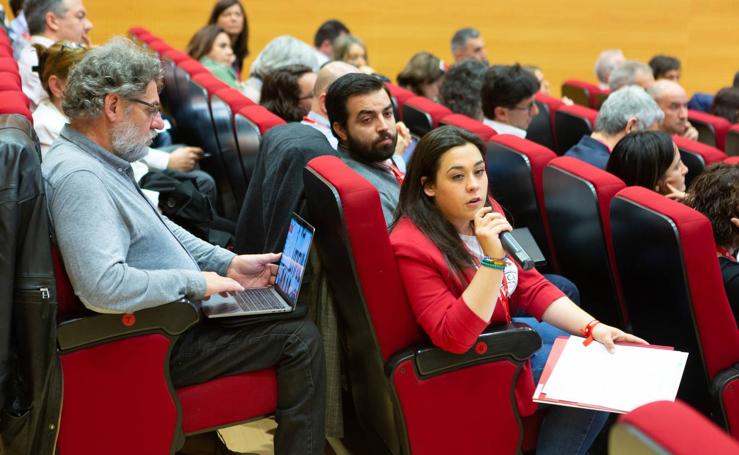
564, 430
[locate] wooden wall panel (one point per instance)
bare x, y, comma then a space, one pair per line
563, 37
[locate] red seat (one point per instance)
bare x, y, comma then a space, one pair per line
696, 156
176, 56
732, 160
159, 46
421, 115
15, 102
578, 198
541, 128
675, 295
9, 65
209, 82
482, 131
261, 117
515, 167
571, 123
732, 140
192, 67
669, 428
711, 129
580, 92
410, 394
398, 95
234, 98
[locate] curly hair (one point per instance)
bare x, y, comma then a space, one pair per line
118, 67
460, 91
281, 92
715, 193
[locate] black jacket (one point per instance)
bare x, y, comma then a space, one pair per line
30, 380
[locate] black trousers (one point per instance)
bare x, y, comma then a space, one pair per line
210, 350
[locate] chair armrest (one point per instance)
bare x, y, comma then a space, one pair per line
172, 319
516, 342
717, 388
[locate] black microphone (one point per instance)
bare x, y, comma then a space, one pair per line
515, 250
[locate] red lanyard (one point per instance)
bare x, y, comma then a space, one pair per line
725, 253
399, 176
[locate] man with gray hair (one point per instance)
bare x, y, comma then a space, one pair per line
672, 99
468, 44
607, 61
122, 256
626, 110
49, 21
631, 73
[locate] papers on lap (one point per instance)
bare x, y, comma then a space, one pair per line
591, 377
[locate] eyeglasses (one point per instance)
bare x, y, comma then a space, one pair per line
151, 109
528, 108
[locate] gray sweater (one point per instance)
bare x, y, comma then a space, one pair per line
121, 255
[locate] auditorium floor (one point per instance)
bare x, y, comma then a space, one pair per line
255, 438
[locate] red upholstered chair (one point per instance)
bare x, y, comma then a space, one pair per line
407, 393
176, 55
667, 427
421, 115
675, 295
711, 129
732, 140
696, 156
9, 65
600, 98
117, 394
8, 82
160, 47
261, 117
137, 31
250, 123
578, 198
571, 123
209, 82
541, 128
398, 95
732, 160
192, 67
482, 131
15, 102
515, 167
581, 92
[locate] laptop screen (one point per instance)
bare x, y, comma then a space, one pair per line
294, 259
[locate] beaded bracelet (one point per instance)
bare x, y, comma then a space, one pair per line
494, 263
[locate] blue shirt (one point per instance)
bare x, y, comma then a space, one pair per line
591, 151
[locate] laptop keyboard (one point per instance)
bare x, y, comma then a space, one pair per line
259, 299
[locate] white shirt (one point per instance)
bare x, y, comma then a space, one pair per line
319, 122
30, 80
511, 272
504, 128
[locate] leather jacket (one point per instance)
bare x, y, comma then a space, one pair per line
30, 379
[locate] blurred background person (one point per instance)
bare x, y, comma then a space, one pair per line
231, 17
350, 49
423, 75
665, 67
467, 43
288, 92
325, 37
461, 89
726, 104
211, 46
607, 61
672, 99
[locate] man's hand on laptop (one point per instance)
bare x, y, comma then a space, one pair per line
216, 284
254, 270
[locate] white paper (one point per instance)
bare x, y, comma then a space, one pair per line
628, 378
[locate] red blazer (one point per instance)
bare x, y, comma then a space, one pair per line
435, 294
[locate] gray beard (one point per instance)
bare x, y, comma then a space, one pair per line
127, 144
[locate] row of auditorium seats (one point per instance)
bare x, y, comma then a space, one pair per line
14, 101
208, 113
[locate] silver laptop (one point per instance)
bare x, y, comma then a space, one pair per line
283, 296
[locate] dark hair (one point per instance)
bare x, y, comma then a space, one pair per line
726, 104
460, 91
281, 92
736, 80
343, 88
661, 64
418, 207
506, 86
202, 41
715, 193
423, 68
642, 158
329, 30
16, 6
240, 44
36, 11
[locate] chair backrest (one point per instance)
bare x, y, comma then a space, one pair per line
711, 129
578, 198
15, 102
580, 92
223, 125
600, 98
672, 285
515, 167
732, 160
541, 128
732, 141
160, 47
480, 129
421, 115
696, 156
398, 96
572, 123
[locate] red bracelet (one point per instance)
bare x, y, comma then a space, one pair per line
587, 332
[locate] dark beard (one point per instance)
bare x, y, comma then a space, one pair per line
373, 153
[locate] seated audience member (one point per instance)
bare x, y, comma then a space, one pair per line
468, 44
231, 17
211, 46
649, 159
287, 92
460, 91
18, 27
423, 75
626, 110
673, 101
49, 21
607, 61
148, 261
665, 67
325, 37
508, 102
631, 73
544, 83
726, 104
318, 117
459, 279
715, 193
49, 120
350, 49
281, 51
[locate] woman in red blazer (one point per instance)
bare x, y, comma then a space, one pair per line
459, 281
